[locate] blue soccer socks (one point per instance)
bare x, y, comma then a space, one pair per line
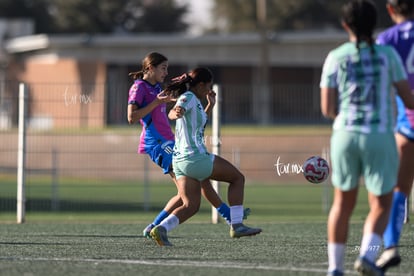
395, 223
161, 216
224, 211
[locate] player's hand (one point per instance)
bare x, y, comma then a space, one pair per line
211, 97
164, 98
179, 111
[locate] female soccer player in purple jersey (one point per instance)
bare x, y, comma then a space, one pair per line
401, 37
147, 104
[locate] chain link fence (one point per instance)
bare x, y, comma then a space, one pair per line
81, 155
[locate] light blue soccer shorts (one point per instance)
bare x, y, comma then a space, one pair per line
373, 156
198, 167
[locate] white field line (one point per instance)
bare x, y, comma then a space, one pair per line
184, 263
175, 263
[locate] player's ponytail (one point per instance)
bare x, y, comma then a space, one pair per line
361, 17
178, 85
182, 83
136, 75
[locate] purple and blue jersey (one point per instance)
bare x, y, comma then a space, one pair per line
401, 37
156, 130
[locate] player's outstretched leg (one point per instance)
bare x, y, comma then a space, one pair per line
172, 204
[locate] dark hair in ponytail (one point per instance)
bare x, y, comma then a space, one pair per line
361, 18
152, 59
182, 83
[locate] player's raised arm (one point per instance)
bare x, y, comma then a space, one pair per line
211, 101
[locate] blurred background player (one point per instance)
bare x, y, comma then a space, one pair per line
401, 37
356, 91
148, 105
192, 162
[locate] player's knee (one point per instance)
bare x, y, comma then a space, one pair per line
239, 179
192, 208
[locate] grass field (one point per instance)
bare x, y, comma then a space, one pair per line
199, 249
293, 241
97, 228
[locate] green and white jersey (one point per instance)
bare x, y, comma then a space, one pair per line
364, 83
189, 130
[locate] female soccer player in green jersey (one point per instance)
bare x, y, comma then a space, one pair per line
192, 163
356, 91
147, 105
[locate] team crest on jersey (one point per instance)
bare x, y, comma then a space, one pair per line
183, 100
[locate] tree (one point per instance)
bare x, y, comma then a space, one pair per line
240, 15
157, 16
98, 16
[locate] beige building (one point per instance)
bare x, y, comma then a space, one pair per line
86, 75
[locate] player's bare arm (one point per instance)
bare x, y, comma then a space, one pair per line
328, 102
211, 101
135, 113
405, 93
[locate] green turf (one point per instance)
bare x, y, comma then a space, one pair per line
107, 241
199, 249
85, 198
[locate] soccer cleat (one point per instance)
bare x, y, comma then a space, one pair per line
159, 234
147, 230
335, 273
366, 268
389, 258
240, 230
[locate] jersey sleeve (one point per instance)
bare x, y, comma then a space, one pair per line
185, 101
397, 69
329, 72
388, 37
136, 95
381, 39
